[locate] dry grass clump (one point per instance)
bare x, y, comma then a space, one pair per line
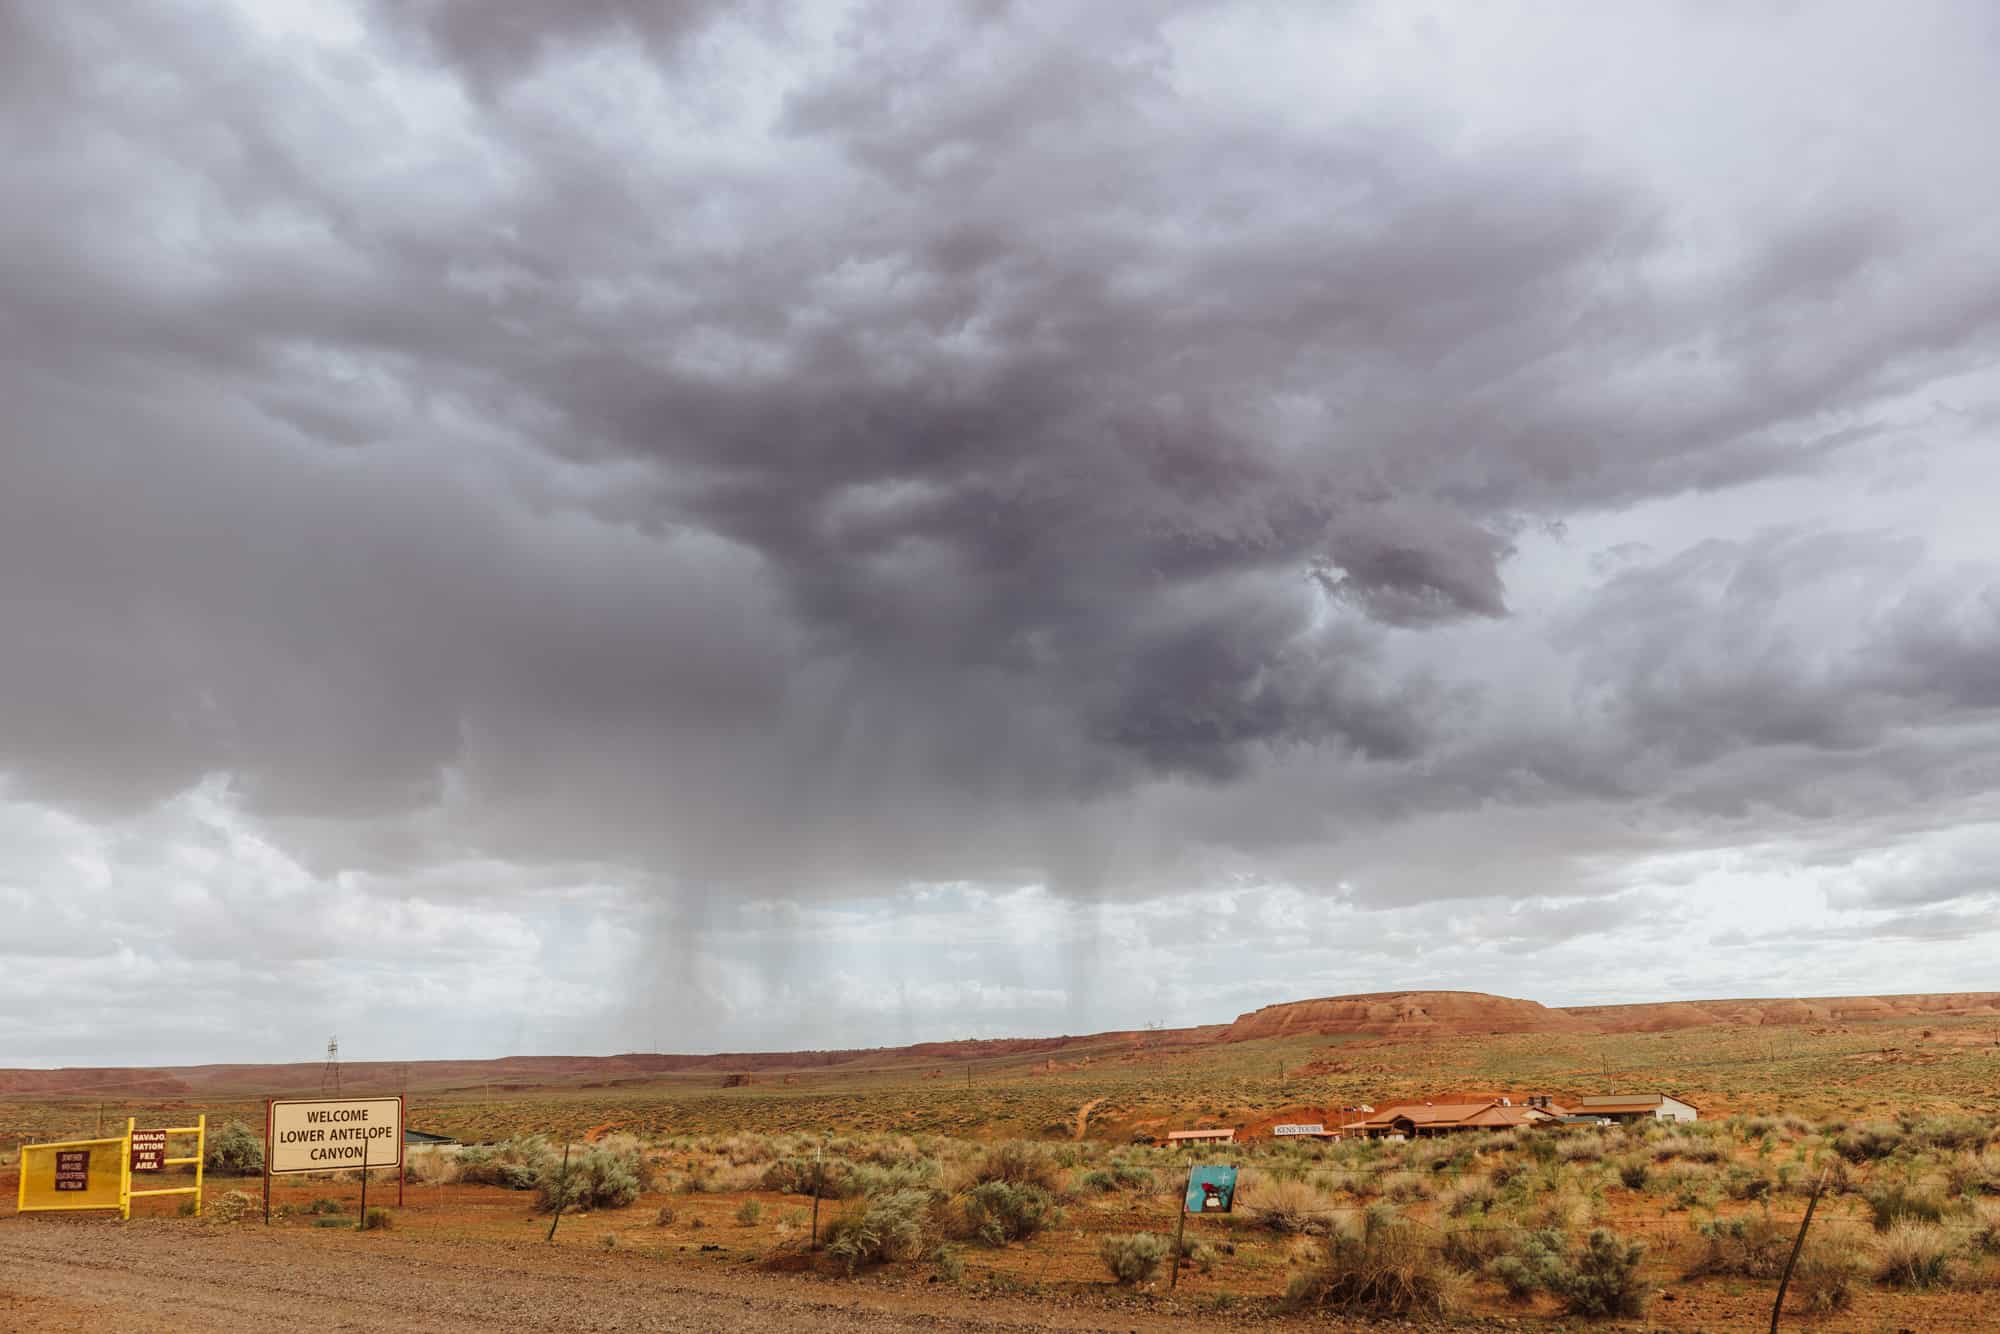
1383, 1267
1018, 1163
1868, 1143
1745, 1247
232, 1206
1470, 1195
1910, 1254
1633, 1173
430, 1165
1474, 1247
1564, 1207
1289, 1206
1405, 1187
1824, 1278
1689, 1148
1983, 1227
1896, 1202
1581, 1147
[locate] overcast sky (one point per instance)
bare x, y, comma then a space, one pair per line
606, 525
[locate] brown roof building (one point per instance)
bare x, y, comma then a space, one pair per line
1412, 1120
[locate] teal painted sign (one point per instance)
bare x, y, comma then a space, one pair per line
1211, 1190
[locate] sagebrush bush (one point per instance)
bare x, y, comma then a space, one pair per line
997, 1212
1910, 1254
1602, 1278
237, 1151
378, 1220
1383, 1267
516, 1163
1532, 1262
1633, 1173
1135, 1257
835, 1178
900, 1225
598, 1178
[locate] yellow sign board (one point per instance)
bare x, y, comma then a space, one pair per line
97, 1173
76, 1174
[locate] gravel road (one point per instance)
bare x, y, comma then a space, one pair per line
149, 1276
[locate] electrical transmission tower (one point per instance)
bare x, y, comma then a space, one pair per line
329, 1078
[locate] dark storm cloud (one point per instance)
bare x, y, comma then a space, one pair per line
495, 40
1821, 640
514, 433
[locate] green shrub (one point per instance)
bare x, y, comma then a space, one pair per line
997, 1212
378, 1220
236, 1152
1633, 1173
749, 1212
1134, 1258
1288, 1206
950, 1262
1385, 1267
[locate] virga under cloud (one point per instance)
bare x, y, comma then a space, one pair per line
598, 472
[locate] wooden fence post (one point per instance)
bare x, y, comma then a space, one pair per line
562, 1193
1798, 1244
